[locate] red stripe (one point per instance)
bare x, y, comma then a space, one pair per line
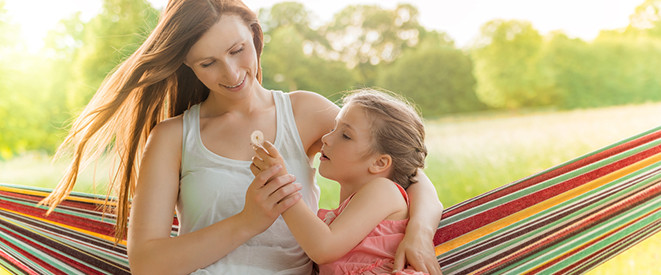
464, 226
36, 199
16, 263
579, 226
70, 220
609, 248
32, 258
63, 258
588, 244
553, 173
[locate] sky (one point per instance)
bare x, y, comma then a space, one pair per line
461, 19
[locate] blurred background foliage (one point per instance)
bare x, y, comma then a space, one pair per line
511, 66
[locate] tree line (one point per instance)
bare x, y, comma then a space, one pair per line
510, 66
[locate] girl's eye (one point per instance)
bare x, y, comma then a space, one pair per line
204, 65
237, 51
345, 136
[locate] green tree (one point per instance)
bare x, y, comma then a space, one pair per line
289, 60
507, 66
17, 92
108, 39
646, 18
574, 66
288, 68
442, 80
364, 36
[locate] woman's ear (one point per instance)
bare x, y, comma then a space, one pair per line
381, 163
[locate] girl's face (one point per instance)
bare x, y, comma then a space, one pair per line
345, 153
224, 58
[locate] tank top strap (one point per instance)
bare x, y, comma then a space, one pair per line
191, 125
286, 126
403, 191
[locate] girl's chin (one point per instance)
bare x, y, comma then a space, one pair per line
324, 173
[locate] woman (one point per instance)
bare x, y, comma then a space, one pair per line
189, 97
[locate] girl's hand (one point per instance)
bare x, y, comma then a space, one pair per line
266, 156
416, 251
267, 199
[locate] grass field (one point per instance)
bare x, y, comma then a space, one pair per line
469, 155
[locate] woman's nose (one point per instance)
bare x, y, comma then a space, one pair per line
230, 75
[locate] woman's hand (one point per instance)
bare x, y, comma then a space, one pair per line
267, 199
425, 211
416, 251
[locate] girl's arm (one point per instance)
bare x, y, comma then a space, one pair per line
151, 250
417, 247
324, 243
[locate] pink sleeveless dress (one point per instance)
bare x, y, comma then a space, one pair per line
373, 255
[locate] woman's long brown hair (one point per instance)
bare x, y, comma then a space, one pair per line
151, 85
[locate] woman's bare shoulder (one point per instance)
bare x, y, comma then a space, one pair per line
315, 116
167, 132
306, 100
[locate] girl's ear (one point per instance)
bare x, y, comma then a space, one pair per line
380, 164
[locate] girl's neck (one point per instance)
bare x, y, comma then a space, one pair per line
347, 188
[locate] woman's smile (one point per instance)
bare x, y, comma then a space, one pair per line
237, 86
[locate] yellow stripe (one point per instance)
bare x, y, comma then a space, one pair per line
87, 232
530, 211
4, 271
44, 194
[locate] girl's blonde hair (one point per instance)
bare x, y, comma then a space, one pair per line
397, 130
151, 85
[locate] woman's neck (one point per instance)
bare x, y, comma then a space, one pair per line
241, 103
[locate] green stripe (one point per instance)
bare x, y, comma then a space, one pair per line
624, 245
10, 267
586, 236
48, 190
60, 210
108, 256
30, 250
551, 211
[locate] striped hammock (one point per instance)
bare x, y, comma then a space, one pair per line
567, 219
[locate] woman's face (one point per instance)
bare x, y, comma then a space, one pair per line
224, 58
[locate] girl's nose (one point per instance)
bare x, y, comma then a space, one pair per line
324, 138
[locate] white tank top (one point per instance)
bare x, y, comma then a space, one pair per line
213, 188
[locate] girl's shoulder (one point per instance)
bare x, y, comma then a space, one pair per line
382, 186
386, 194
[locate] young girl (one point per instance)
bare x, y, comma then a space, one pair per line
373, 152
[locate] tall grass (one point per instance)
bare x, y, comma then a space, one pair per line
469, 155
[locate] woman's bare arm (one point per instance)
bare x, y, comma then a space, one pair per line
151, 250
417, 248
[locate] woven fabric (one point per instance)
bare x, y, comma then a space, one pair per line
77, 238
567, 219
